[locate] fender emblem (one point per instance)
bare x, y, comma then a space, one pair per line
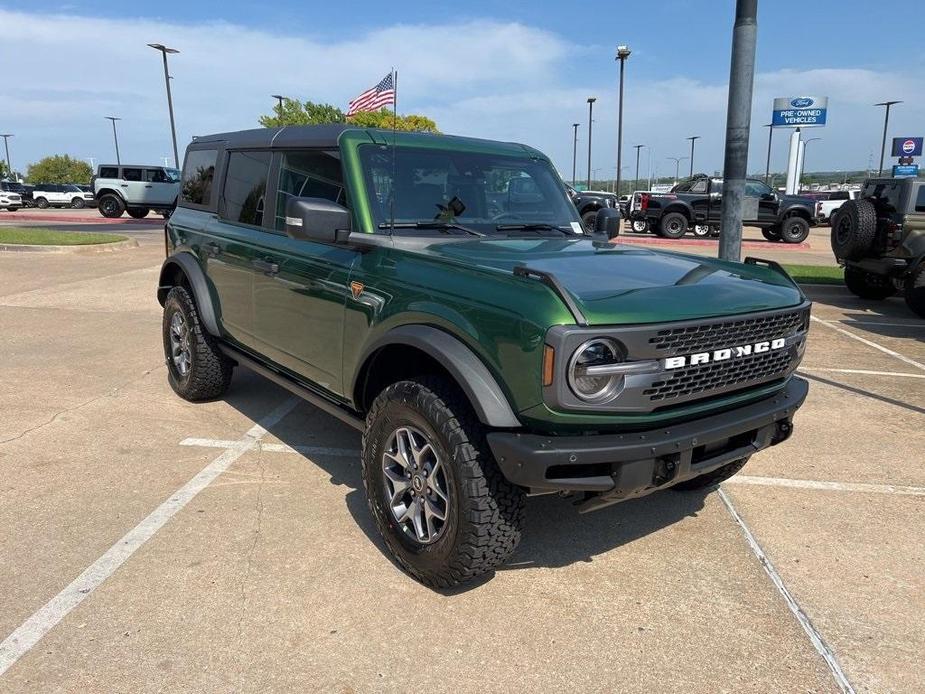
357, 289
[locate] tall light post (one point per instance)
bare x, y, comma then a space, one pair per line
574, 150
886, 123
591, 100
637, 147
623, 52
677, 167
115, 137
767, 167
803, 159
693, 139
173, 128
280, 98
6, 145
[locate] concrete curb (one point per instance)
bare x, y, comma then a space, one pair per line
75, 219
85, 248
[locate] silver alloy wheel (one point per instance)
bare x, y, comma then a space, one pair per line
179, 343
416, 485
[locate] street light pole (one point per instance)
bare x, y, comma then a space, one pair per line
638, 147
623, 52
677, 167
591, 100
803, 158
173, 128
693, 139
280, 98
6, 145
115, 137
767, 167
886, 123
574, 150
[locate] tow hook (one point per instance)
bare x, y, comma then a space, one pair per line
783, 432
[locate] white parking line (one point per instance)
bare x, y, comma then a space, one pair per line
35, 627
901, 490
869, 343
819, 643
307, 451
862, 323
865, 372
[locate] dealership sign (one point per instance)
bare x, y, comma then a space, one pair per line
800, 111
910, 171
907, 146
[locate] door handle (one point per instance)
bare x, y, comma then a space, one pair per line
149, 186
213, 249
124, 185
267, 267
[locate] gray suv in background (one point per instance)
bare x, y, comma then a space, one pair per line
136, 189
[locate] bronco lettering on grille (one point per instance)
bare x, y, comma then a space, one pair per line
724, 354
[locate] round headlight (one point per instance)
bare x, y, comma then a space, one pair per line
590, 386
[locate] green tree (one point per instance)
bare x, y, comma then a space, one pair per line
3, 171
60, 168
309, 113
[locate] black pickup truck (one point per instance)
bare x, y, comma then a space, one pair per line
588, 202
698, 201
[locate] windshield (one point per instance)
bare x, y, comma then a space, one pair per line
484, 193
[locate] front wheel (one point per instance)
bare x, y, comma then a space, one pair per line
867, 285
438, 498
77, 203
588, 221
914, 289
794, 230
640, 226
710, 479
41, 203
701, 231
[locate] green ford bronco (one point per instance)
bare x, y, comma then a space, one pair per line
438, 294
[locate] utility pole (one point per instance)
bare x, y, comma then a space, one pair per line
738, 121
173, 128
638, 147
693, 140
886, 123
623, 52
115, 137
6, 145
767, 168
574, 150
591, 100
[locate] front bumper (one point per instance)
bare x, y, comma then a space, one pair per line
615, 467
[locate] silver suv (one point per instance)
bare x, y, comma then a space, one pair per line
136, 189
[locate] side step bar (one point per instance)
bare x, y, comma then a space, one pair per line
319, 401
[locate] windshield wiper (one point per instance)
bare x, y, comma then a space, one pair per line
435, 224
533, 227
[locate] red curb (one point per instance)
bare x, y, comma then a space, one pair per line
77, 220
642, 241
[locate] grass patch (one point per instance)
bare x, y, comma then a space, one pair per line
39, 236
816, 274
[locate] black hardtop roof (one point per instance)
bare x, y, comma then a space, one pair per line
132, 166
322, 136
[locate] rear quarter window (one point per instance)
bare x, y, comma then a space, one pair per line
198, 174
109, 172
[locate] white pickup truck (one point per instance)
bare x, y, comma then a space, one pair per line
826, 208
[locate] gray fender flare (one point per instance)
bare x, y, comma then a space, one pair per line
487, 398
189, 266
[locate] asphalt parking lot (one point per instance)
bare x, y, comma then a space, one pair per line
150, 544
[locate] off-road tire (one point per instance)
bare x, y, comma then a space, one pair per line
588, 220
486, 512
771, 233
41, 203
867, 285
710, 479
914, 290
854, 228
794, 230
210, 371
77, 204
111, 206
673, 225
138, 212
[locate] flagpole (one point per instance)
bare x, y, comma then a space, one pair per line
394, 151
395, 101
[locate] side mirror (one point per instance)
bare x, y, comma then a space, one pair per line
607, 222
317, 219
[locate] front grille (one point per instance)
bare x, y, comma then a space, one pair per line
700, 338
705, 378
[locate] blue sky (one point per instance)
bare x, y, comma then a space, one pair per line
513, 70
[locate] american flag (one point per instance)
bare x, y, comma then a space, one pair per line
373, 99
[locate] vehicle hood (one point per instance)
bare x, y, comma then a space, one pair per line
612, 283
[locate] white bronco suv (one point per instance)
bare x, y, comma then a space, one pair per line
137, 189
60, 195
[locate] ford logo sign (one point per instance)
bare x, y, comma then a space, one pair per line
802, 102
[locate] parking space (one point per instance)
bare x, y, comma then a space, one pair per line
152, 544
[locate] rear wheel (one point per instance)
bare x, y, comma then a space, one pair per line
771, 234
867, 285
915, 290
701, 231
439, 500
673, 225
111, 206
854, 227
138, 212
794, 230
640, 226
588, 219
712, 478
41, 203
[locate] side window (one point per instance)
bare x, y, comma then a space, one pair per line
308, 175
109, 172
198, 171
131, 174
920, 200
756, 189
700, 186
156, 176
838, 195
246, 187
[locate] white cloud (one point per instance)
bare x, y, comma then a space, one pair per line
481, 78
